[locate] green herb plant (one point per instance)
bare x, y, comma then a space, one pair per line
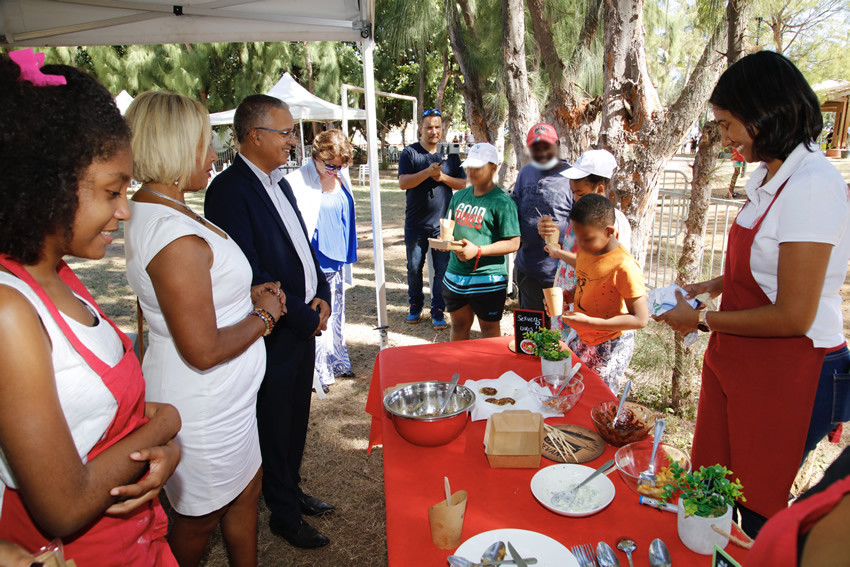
705, 493
547, 344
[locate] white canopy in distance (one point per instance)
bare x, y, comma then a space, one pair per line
304, 105
40, 23
122, 101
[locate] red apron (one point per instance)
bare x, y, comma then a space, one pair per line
776, 544
137, 538
757, 394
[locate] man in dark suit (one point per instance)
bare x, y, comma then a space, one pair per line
255, 205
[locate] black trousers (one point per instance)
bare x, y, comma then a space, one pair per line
283, 411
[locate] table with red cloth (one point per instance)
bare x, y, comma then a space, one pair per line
498, 498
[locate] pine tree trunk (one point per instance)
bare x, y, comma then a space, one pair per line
688, 270
522, 106
444, 82
705, 162
484, 128
573, 114
635, 127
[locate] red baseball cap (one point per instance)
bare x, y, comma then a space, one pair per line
542, 133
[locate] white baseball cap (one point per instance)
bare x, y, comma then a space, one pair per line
592, 162
480, 155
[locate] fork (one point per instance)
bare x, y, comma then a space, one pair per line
585, 555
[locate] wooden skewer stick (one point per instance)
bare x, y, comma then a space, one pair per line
555, 443
562, 437
733, 539
448, 491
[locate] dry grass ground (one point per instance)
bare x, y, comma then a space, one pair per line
336, 466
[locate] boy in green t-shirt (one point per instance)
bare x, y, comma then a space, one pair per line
486, 221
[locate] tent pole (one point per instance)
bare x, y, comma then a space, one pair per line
375, 185
303, 149
344, 104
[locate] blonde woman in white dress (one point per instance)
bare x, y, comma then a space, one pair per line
205, 319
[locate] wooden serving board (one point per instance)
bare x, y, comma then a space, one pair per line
585, 444
438, 244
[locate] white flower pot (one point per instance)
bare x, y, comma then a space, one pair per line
557, 367
696, 533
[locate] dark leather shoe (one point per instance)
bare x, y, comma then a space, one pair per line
312, 506
305, 537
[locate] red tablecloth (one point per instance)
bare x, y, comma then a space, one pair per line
498, 498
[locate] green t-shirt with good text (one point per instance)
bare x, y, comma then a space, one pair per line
482, 220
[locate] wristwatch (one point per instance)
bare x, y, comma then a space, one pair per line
702, 325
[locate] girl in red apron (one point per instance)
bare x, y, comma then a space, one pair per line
766, 350
812, 532
68, 200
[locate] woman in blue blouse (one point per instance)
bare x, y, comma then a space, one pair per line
322, 188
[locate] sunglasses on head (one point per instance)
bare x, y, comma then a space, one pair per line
431, 112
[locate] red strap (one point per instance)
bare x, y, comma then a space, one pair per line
477, 259
770, 206
77, 286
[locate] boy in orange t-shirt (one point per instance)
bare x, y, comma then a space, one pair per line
610, 296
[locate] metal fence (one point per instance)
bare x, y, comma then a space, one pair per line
668, 232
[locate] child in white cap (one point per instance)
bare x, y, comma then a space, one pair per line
590, 174
487, 223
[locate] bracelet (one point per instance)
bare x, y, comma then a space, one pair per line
267, 318
477, 259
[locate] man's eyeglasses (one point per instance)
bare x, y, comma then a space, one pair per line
284, 133
431, 112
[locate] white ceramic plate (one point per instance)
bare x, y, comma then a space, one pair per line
547, 551
557, 478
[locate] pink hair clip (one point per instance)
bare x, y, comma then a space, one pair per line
30, 64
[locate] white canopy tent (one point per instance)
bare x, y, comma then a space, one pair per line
123, 100
37, 23
305, 106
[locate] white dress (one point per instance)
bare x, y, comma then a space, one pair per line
87, 403
220, 447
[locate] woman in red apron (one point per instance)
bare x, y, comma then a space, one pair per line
67, 201
768, 340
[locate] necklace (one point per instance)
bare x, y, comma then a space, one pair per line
184, 206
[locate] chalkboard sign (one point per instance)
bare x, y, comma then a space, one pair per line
723, 559
526, 321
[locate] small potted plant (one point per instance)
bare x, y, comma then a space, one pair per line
554, 358
706, 501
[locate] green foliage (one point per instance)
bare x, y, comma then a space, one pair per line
547, 344
706, 493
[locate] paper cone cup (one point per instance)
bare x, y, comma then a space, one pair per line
447, 521
554, 297
447, 229
552, 238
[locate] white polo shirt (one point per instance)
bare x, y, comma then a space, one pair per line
293, 226
813, 207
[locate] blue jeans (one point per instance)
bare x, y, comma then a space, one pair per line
832, 401
416, 242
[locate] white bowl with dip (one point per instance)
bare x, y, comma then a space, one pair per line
555, 480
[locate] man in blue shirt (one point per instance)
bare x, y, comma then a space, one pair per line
540, 191
428, 181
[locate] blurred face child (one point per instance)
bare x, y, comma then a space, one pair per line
481, 177
586, 186
595, 236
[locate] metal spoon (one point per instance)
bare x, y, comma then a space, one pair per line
622, 403
565, 499
627, 546
569, 377
449, 392
658, 554
606, 556
647, 477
